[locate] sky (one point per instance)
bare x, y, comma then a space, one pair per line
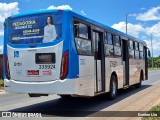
143, 15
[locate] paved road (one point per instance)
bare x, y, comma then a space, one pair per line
53, 103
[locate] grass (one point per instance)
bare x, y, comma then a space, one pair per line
152, 69
155, 109
1, 84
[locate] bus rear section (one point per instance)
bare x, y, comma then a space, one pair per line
35, 58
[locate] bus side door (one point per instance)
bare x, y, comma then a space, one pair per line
99, 60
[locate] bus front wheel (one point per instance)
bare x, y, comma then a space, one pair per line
113, 87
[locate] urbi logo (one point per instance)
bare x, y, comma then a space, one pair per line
16, 54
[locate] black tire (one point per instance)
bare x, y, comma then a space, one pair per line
36, 95
33, 95
65, 96
113, 87
138, 85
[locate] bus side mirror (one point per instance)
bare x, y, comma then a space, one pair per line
148, 54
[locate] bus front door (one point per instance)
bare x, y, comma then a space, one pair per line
99, 61
125, 63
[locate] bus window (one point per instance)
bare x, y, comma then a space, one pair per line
140, 47
109, 38
117, 45
136, 46
131, 49
83, 46
136, 54
82, 30
136, 50
82, 34
109, 45
33, 29
141, 51
141, 55
117, 40
131, 46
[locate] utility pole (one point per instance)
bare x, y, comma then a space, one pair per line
126, 22
152, 49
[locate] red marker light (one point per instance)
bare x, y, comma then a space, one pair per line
64, 65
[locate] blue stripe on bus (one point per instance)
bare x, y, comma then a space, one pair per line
5, 50
69, 44
37, 45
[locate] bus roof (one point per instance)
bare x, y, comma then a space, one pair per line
82, 18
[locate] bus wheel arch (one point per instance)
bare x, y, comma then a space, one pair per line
113, 86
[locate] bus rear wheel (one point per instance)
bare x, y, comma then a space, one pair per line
36, 95
65, 96
113, 87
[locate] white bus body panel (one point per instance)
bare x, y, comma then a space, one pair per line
135, 67
113, 65
99, 78
25, 61
66, 86
86, 75
20, 82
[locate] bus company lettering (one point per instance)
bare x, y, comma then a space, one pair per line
113, 63
32, 72
23, 23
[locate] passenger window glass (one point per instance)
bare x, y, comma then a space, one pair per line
131, 53
141, 51
117, 40
82, 30
109, 38
131, 44
109, 45
117, 50
141, 55
109, 50
136, 54
76, 29
136, 46
82, 34
140, 47
83, 46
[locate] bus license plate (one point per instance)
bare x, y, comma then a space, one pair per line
45, 58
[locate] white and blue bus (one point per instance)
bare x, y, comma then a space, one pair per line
61, 52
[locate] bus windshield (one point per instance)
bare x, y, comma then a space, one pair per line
32, 29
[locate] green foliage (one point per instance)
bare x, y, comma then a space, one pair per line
156, 110
1, 84
152, 69
156, 62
